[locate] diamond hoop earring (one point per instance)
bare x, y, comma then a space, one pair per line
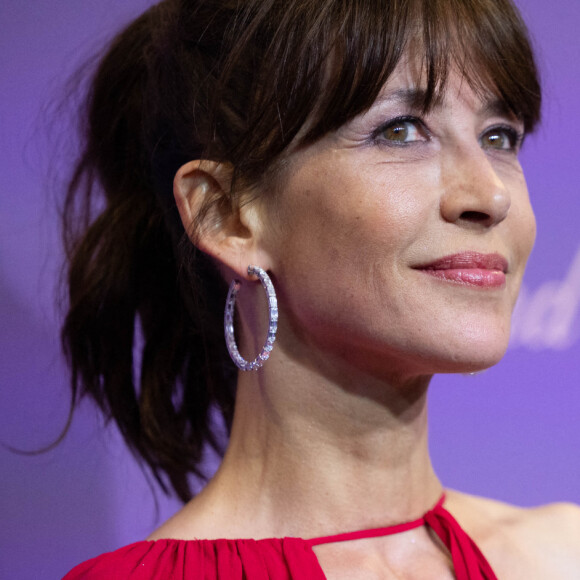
235, 286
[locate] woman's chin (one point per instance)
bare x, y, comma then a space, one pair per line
459, 352
474, 356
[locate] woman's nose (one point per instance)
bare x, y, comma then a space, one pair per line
474, 195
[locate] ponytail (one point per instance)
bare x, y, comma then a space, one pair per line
127, 288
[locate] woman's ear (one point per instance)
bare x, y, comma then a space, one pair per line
215, 222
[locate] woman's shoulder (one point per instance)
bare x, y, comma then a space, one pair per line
220, 559
126, 562
537, 542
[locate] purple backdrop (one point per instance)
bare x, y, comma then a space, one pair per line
510, 433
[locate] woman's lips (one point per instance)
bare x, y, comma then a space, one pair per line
469, 268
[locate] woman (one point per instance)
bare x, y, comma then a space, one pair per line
358, 162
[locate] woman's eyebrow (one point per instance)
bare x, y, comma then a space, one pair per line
413, 97
497, 107
416, 97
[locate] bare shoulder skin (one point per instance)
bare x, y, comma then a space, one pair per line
537, 543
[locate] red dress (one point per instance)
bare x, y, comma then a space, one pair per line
269, 559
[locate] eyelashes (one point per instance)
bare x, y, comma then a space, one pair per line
502, 138
401, 131
407, 130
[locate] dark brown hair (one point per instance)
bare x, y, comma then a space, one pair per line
234, 81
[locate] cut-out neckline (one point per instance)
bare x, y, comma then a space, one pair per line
468, 561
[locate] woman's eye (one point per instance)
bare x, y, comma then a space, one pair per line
401, 131
501, 138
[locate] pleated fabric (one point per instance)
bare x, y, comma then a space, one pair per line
271, 559
268, 559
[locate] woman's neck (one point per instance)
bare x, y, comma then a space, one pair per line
312, 455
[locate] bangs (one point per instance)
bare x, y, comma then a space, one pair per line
302, 69
486, 42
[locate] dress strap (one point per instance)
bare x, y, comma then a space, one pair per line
362, 534
374, 532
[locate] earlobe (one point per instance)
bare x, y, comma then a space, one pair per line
211, 217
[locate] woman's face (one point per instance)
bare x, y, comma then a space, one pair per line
398, 243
